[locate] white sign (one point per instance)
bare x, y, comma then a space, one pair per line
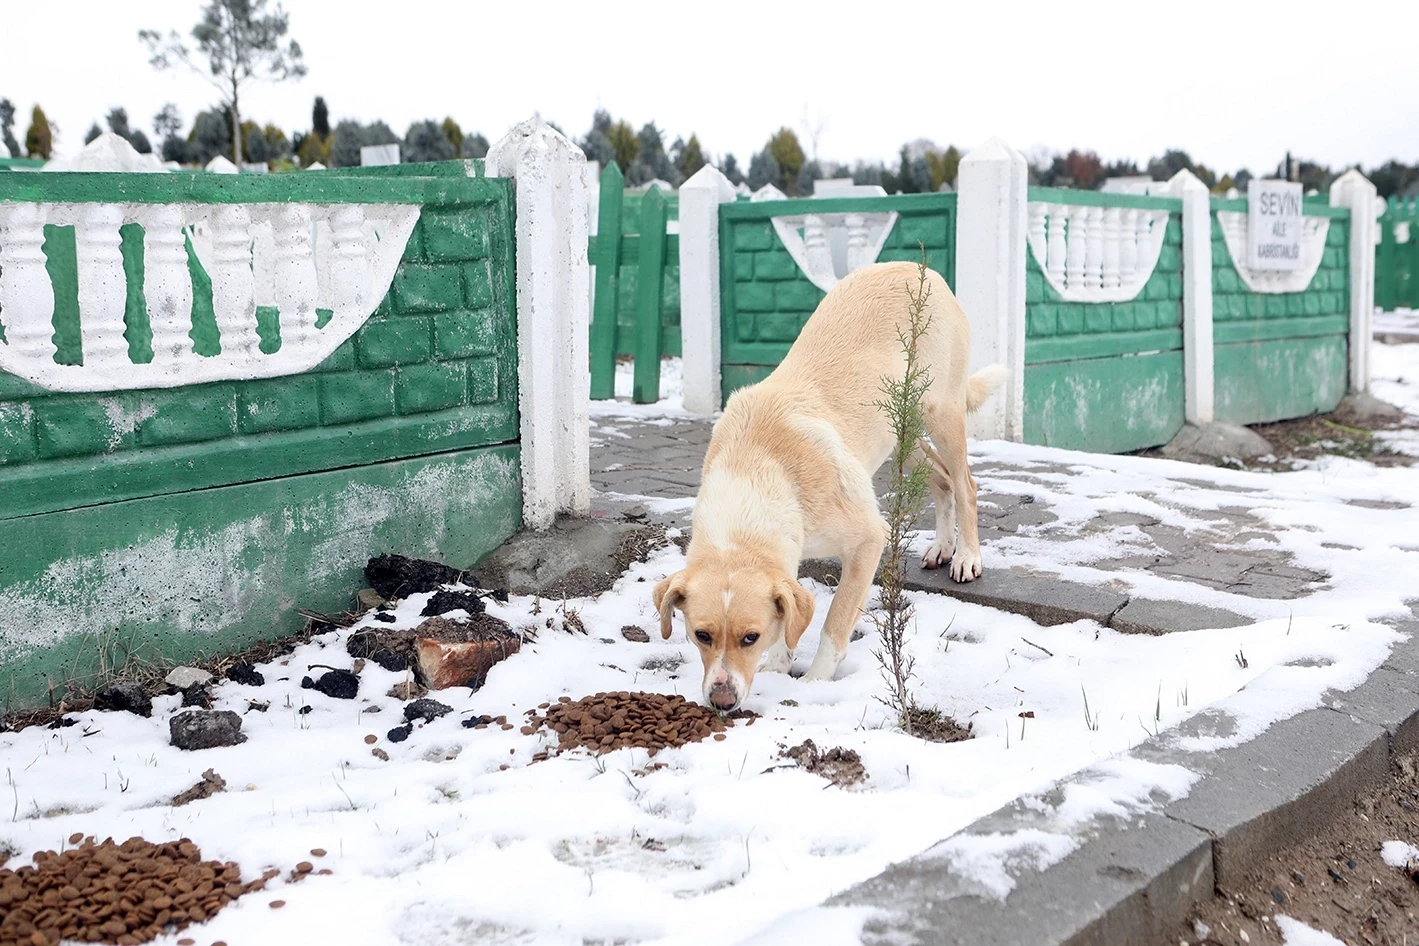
376, 155
1273, 225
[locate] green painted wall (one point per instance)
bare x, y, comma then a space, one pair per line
1106, 377
324, 460
1396, 263
209, 571
765, 299
1281, 355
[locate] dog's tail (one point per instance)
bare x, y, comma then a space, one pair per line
982, 384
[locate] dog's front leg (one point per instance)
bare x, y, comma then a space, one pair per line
859, 568
777, 659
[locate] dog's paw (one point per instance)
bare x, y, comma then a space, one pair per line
817, 672
777, 659
938, 553
825, 662
965, 566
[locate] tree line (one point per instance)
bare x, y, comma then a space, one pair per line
644, 155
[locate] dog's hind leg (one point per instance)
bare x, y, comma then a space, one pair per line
948, 433
859, 566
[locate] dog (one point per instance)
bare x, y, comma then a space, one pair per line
788, 475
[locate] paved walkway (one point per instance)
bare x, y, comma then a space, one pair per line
1227, 548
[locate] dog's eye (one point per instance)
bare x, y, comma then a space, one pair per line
749, 640
704, 637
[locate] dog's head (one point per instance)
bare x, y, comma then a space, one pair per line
733, 612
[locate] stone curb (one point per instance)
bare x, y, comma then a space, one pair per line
1136, 881
1049, 600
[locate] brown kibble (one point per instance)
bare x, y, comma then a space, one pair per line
76, 837
371, 739
186, 941
379, 753
528, 730
324, 872
276, 904
304, 867
317, 852
719, 737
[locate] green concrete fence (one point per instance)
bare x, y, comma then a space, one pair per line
220, 394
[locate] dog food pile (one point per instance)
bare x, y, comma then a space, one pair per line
609, 721
125, 893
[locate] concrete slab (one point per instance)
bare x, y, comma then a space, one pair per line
1151, 616
1045, 600
1273, 791
1132, 882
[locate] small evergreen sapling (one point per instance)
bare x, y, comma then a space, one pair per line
910, 480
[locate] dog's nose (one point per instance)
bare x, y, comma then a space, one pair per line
723, 699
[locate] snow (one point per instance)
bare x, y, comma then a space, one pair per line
1296, 933
442, 845
1400, 854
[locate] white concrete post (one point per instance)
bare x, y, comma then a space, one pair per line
1353, 190
1198, 390
991, 221
553, 317
700, 198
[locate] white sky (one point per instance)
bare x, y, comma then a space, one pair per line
1235, 83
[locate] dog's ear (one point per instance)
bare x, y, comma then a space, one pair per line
795, 607
669, 594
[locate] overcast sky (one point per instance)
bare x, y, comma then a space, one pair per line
1234, 83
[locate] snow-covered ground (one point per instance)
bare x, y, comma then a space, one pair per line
461, 838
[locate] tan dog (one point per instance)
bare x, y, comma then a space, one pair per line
789, 473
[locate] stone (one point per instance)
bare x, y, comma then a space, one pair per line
1216, 441
125, 696
408, 690
367, 599
184, 677
635, 634
205, 729
1361, 405
427, 710
1153, 616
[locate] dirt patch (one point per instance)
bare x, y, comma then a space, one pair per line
396, 576
935, 726
114, 893
605, 722
1336, 881
842, 767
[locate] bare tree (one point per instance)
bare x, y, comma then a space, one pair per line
240, 42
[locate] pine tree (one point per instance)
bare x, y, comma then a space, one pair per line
7, 128
320, 118
39, 142
453, 135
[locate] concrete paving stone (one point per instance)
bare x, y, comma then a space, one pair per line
1122, 519
1288, 571
1389, 698
1257, 585
1045, 600
1276, 789
1154, 616
1210, 565
1132, 882
1241, 538
1033, 514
